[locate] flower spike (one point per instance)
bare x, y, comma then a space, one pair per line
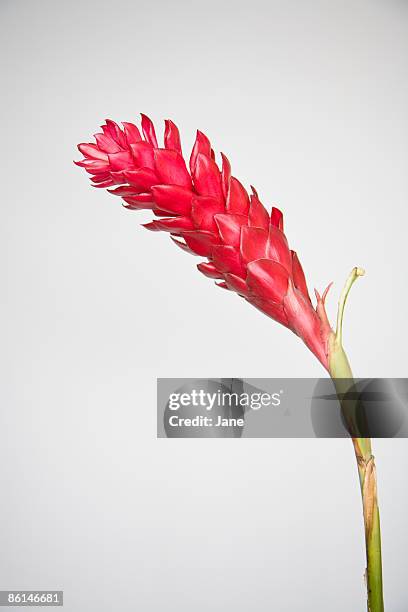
208, 212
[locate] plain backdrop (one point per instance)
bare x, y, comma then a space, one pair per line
308, 100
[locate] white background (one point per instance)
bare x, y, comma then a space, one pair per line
308, 100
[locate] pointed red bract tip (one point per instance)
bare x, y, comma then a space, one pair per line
172, 136
148, 130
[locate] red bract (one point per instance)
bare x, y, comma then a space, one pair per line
209, 213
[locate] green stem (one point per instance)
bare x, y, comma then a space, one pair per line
341, 374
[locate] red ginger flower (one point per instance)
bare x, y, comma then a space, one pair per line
209, 213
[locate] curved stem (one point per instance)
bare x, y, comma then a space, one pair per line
353, 276
341, 374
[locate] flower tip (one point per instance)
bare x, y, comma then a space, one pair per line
359, 271
326, 291
146, 121
152, 226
